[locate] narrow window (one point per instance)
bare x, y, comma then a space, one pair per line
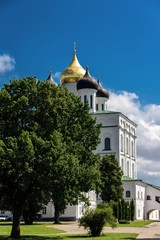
121, 143
148, 197
107, 144
132, 148
133, 170
127, 169
127, 146
85, 98
141, 195
128, 194
97, 106
102, 107
138, 194
44, 211
139, 212
123, 165
91, 102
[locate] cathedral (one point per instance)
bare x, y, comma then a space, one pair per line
118, 136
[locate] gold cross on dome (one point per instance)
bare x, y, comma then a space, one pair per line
74, 45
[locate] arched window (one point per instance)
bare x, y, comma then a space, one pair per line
91, 101
123, 166
107, 144
133, 170
85, 98
127, 169
121, 142
102, 106
132, 149
127, 146
128, 194
97, 106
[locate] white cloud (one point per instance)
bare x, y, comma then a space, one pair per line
57, 75
7, 63
148, 132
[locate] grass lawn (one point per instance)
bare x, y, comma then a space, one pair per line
133, 224
36, 228
107, 236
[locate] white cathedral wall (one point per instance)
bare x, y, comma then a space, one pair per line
152, 206
88, 93
137, 193
72, 87
127, 146
100, 101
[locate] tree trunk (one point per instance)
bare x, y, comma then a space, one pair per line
56, 213
15, 233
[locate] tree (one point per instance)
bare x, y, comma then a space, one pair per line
124, 209
46, 140
65, 122
111, 174
132, 209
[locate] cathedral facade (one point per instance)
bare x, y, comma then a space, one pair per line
118, 136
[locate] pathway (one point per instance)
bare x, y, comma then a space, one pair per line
149, 232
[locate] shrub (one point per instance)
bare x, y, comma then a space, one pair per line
95, 219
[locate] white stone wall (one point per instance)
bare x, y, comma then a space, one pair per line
137, 193
88, 93
121, 132
72, 87
100, 101
152, 206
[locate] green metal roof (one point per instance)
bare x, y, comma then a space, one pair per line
103, 112
125, 178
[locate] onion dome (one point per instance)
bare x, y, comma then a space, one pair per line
102, 92
87, 81
50, 79
74, 72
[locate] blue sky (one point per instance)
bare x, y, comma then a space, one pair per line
120, 39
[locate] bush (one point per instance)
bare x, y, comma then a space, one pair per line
95, 219
124, 222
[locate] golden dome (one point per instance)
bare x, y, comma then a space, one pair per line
74, 72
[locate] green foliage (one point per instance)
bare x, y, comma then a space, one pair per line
95, 219
47, 138
116, 210
120, 210
123, 203
111, 175
132, 209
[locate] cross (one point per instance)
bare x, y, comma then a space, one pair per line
74, 45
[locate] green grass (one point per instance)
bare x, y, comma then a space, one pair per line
133, 224
107, 236
36, 228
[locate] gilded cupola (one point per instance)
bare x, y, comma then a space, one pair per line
74, 72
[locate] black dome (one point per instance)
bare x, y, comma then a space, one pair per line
87, 82
102, 92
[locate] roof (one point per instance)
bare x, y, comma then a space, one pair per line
112, 112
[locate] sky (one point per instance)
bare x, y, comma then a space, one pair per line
117, 39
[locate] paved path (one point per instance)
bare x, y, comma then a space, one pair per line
149, 232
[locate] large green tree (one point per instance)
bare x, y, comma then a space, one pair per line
46, 140
65, 122
111, 175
